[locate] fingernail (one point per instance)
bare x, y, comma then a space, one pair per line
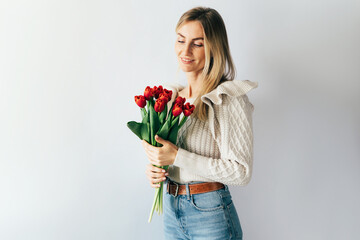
163, 170
166, 174
163, 178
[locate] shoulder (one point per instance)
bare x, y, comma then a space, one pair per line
230, 93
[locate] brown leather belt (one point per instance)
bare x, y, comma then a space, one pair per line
175, 189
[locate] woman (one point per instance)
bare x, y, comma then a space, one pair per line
215, 146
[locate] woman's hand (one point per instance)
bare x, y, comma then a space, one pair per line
155, 175
160, 156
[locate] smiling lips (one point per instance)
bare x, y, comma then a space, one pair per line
186, 60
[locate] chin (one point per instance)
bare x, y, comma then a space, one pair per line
185, 69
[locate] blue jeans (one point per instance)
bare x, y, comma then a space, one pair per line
207, 216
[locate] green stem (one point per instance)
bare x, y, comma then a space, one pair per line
153, 141
174, 121
161, 198
143, 112
148, 106
157, 200
182, 121
153, 206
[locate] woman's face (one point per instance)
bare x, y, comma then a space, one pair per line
189, 47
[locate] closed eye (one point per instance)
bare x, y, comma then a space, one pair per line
197, 45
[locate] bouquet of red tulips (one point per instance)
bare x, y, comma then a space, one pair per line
157, 120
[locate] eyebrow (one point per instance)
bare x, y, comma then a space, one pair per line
199, 38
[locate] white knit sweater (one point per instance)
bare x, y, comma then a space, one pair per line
221, 148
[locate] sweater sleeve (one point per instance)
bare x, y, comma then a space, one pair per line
234, 167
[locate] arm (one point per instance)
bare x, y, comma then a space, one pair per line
235, 144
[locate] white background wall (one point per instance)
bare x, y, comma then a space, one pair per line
70, 168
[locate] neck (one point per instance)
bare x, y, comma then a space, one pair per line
194, 84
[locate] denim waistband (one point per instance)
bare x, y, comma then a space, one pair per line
168, 179
187, 186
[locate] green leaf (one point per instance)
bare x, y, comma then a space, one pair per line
176, 120
143, 112
136, 128
164, 132
163, 115
154, 123
142, 130
145, 131
146, 117
182, 121
174, 132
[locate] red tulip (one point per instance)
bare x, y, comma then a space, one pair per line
168, 93
159, 105
140, 101
156, 91
159, 90
177, 109
164, 97
148, 94
188, 109
180, 100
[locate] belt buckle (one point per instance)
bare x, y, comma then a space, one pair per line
177, 189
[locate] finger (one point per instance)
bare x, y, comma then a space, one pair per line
153, 168
160, 140
156, 169
151, 154
155, 185
154, 161
158, 180
157, 162
145, 143
157, 175
153, 175
147, 146
155, 181
163, 141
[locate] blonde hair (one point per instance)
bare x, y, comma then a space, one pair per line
219, 65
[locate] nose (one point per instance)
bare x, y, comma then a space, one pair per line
187, 49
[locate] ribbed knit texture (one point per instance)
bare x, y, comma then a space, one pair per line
221, 148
